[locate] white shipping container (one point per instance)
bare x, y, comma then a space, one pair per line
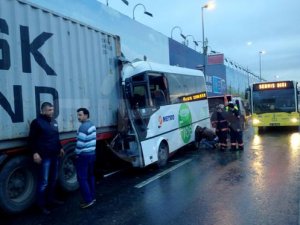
48, 57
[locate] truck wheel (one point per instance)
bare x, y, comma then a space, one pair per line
17, 185
259, 130
162, 154
67, 173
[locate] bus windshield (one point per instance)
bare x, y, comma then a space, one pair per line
268, 101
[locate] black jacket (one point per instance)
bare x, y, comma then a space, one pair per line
219, 122
44, 137
233, 118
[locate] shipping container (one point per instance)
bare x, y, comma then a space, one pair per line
48, 57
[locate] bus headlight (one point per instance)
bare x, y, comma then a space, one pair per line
256, 121
294, 120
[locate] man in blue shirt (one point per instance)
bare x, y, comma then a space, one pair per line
85, 157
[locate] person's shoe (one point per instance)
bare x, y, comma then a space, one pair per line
86, 205
83, 203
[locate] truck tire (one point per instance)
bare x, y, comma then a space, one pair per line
67, 176
162, 154
17, 185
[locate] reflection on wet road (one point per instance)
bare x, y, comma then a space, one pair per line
259, 185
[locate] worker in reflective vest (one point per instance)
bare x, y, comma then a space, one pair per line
235, 128
221, 125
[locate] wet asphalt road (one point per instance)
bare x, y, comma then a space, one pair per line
257, 186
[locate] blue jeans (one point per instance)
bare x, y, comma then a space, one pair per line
47, 177
85, 176
208, 144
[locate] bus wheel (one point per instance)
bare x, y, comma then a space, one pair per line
163, 154
259, 130
67, 172
196, 143
17, 185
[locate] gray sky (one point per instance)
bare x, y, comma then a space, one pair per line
272, 26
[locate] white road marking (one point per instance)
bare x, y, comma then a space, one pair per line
112, 173
159, 175
174, 160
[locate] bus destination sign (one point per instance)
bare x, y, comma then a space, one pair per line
272, 85
194, 97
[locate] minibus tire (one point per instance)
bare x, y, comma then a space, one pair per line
162, 154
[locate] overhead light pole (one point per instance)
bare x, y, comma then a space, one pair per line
260, 53
209, 5
145, 11
124, 1
187, 42
179, 28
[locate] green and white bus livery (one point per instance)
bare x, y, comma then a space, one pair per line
161, 109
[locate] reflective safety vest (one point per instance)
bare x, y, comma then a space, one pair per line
227, 108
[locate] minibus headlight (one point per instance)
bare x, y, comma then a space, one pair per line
256, 121
294, 120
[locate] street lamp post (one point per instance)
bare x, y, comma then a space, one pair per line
260, 53
209, 5
248, 76
203, 44
187, 42
179, 28
124, 1
145, 11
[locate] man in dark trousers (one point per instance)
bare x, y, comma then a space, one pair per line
221, 125
46, 147
236, 134
85, 157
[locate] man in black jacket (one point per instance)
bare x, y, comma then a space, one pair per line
46, 147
